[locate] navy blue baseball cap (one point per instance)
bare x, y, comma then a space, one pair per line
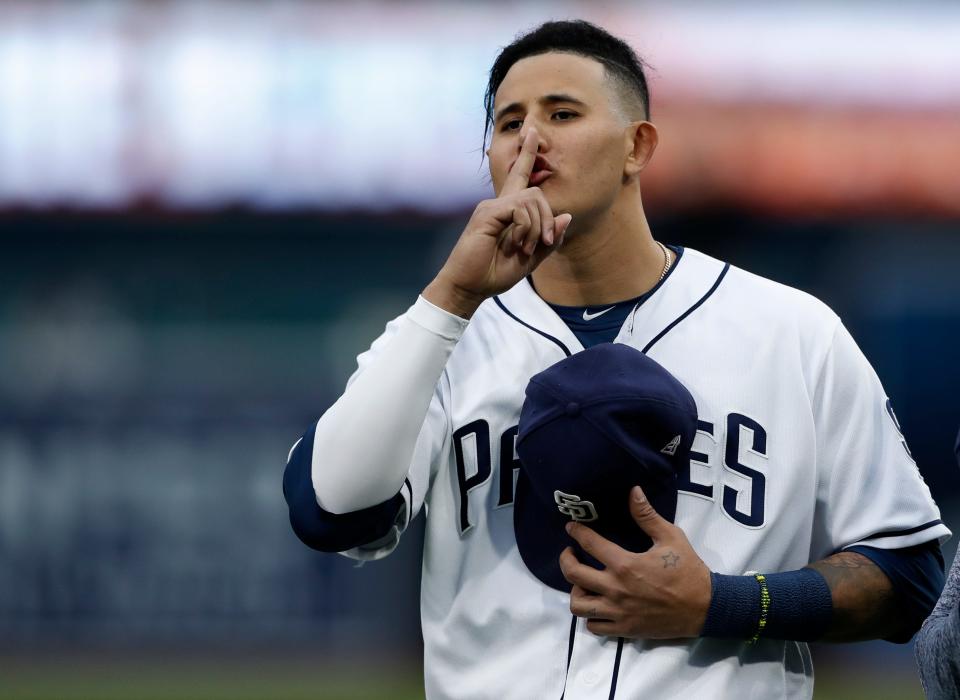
592, 427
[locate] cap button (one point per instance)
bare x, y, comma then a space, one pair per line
573, 409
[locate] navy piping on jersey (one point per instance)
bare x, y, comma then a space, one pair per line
689, 311
549, 337
907, 531
573, 635
616, 669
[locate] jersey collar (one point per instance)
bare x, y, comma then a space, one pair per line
694, 281
688, 284
523, 303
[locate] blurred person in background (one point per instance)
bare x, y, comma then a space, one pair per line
837, 508
938, 642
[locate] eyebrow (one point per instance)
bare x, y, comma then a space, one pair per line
545, 100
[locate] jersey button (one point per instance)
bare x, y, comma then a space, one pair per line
589, 677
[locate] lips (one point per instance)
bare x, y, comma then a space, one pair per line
537, 177
541, 171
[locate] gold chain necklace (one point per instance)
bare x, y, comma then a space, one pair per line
666, 261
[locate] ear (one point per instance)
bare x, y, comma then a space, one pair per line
641, 141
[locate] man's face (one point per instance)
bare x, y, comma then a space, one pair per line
576, 111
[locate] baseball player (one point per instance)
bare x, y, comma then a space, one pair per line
800, 513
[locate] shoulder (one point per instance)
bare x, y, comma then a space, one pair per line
766, 295
768, 303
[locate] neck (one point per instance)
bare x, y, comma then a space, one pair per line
610, 260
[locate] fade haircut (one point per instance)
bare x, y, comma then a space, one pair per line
623, 67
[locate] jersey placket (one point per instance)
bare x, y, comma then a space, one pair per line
593, 668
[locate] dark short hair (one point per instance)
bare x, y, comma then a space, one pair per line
572, 36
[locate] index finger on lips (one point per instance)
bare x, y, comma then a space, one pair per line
518, 179
598, 547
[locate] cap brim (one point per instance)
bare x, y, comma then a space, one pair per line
540, 534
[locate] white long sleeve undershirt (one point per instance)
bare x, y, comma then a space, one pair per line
365, 442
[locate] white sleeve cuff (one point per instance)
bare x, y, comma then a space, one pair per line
436, 320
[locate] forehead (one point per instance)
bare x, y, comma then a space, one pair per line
552, 73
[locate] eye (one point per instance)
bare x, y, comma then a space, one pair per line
512, 125
564, 115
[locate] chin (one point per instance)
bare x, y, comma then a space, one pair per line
560, 205
557, 202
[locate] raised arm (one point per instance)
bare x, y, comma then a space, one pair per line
364, 443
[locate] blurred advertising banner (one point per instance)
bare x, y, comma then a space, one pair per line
782, 107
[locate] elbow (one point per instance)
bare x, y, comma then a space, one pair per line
917, 595
311, 524
320, 529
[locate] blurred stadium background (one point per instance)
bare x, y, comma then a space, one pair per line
208, 208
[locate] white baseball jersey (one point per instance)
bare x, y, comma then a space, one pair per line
798, 455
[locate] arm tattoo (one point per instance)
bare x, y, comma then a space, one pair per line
670, 560
864, 605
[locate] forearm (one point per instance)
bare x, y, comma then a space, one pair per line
854, 595
864, 602
365, 442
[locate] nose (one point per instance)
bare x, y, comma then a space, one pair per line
542, 144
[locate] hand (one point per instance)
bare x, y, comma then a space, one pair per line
663, 593
504, 241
